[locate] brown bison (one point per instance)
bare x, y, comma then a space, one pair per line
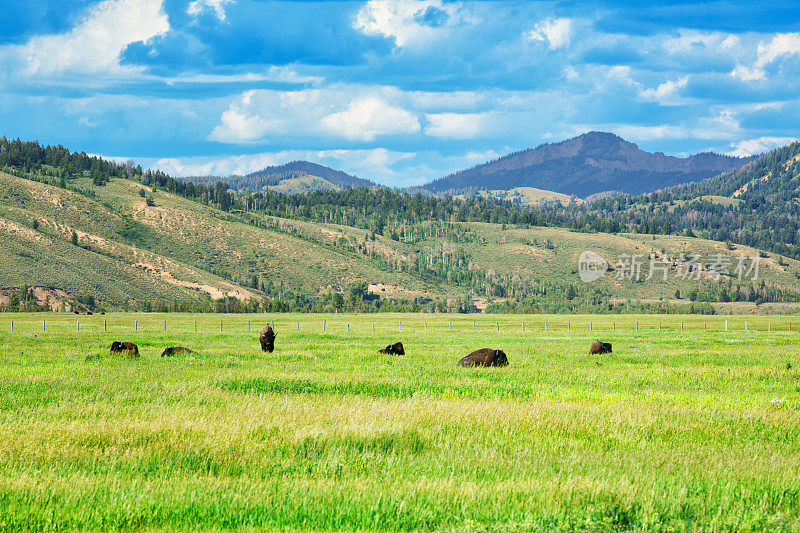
175, 350
267, 339
485, 357
125, 347
394, 349
598, 347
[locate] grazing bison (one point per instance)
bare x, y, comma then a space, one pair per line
122, 347
598, 347
175, 350
267, 339
485, 357
394, 349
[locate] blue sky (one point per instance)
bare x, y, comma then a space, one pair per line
397, 91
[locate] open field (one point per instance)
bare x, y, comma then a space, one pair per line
675, 430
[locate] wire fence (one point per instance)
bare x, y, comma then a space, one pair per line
377, 324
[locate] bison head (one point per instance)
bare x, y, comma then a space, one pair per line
500, 358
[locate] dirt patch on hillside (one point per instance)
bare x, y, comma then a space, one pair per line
30, 234
215, 292
382, 289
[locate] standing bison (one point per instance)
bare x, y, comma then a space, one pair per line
394, 349
598, 347
485, 357
124, 347
267, 339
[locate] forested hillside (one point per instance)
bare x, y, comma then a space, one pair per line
182, 245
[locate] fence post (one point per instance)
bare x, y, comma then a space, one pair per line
745, 325
659, 325
165, 325
273, 325
681, 325
705, 325
613, 326
568, 326
373, 327
637, 325
77, 325
248, 325
450, 324
348, 326
220, 326
12, 326
726, 325
498, 326
590, 325
135, 325
195, 326
400, 325
44, 325
298, 325
323, 324
105, 326
473, 325
426, 326
769, 326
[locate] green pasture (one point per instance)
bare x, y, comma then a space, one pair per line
686, 426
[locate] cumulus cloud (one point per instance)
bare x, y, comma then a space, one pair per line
757, 146
782, 44
368, 117
353, 113
94, 45
666, 93
455, 125
197, 7
557, 32
407, 21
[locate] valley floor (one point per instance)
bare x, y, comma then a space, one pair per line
685, 425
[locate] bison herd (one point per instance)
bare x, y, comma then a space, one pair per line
482, 357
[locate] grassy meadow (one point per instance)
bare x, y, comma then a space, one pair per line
676, 430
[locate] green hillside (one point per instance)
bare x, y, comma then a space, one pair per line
140, 248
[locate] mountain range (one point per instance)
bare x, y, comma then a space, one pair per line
587, 165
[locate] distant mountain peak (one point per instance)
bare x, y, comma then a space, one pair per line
295, 176
592, 163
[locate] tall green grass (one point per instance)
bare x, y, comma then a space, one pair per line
676, 430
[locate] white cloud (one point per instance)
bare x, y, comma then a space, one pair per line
403, 20
556, 32
368, 117
756, 146
93, 46
217, 6
666, 92
782, 44
690, 41
455, 125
